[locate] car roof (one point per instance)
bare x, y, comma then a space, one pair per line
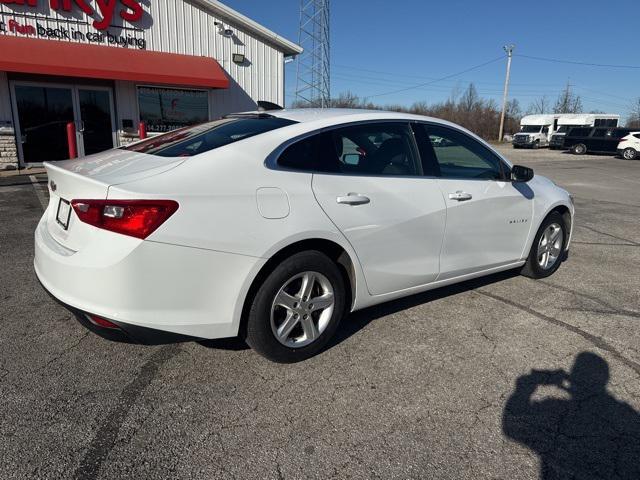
339, 115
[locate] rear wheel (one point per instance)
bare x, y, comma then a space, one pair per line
297, 309
629, 153
547, 249
579, 149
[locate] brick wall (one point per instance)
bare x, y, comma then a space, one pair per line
8, 149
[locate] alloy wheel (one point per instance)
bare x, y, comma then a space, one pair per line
629, 154
302, 309
550, 246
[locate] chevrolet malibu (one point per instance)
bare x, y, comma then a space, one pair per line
273, 226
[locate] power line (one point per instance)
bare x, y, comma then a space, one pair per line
571, 62
422, 77
438, 79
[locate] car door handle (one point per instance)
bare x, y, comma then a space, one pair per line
353, 199
460, 196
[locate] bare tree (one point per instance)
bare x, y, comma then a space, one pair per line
539, 106
470, 99
568, 101
633, 121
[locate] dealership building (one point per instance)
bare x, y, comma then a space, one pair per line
96, 73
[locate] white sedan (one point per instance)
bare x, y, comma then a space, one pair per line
275, 225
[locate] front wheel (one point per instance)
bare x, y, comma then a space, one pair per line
547, 249
579, 149
629, 153
297, 309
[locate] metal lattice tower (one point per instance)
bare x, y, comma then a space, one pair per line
313, 75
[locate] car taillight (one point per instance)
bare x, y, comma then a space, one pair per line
136, 218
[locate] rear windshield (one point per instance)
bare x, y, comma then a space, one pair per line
197, 139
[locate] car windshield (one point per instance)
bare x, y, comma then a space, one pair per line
530, 129
197, 139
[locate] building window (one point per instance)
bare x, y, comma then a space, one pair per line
166, 109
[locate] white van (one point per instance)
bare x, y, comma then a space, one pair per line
535, 131
567, 121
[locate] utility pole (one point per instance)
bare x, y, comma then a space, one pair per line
509, 50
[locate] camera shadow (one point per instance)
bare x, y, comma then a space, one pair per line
588, 434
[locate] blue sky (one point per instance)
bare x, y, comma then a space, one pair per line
379, 46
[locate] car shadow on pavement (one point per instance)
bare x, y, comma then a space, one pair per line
584, 433
360, 319
355, 322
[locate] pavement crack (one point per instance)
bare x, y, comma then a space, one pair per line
626, 240
107, 432
611, 309
66, 350
595, 340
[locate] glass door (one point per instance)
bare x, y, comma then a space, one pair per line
96, 120
44, 110
43, 115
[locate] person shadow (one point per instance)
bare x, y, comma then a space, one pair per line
587, 435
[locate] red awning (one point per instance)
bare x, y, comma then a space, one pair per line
53, 57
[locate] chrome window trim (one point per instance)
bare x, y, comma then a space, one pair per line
271, 161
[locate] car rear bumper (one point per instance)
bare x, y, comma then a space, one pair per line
169, 288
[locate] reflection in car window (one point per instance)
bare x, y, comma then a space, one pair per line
460, 156
190, 141
367, 149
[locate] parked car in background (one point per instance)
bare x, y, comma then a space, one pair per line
567, 121
597, 140
629, 146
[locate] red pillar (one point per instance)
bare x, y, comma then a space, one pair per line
71, 140
142, 128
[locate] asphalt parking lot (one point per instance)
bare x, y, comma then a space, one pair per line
438, 385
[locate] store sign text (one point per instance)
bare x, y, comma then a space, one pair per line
62, 33
129, 10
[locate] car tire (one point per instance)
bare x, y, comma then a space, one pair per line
629, 153
548, 248
536, 145
579, 149
299, 330
516, 146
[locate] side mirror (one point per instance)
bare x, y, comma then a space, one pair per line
521, 174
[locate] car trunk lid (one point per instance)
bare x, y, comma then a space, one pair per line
89, 178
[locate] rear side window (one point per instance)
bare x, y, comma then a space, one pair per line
367, 149
190, 141
619, 133
579, 132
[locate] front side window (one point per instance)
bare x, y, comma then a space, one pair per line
190, 141
460, 156
167, 109
367, 149
599, 132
